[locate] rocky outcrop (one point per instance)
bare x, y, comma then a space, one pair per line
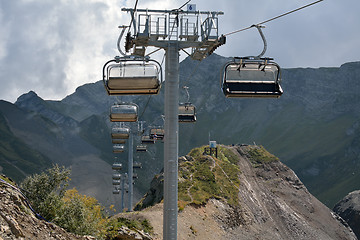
17, 221
155, 193
349, 209
125, 233
272, 203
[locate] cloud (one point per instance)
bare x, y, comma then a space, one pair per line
52, 47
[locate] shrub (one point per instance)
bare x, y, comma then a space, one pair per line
81, 214
46, 189
74, 212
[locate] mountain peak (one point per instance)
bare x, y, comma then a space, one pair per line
30, 96
33, 103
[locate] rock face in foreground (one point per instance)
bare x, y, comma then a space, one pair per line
271, 202
349, 209
18, 222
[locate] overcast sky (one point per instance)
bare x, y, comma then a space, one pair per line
52, 47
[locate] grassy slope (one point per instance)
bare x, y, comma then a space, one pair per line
202, 177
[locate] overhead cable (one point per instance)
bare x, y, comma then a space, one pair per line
147, 103
271, 19
132, 15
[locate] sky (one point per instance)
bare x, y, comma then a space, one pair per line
52, 47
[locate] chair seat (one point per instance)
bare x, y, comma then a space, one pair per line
133, 85
252, 89
187, 118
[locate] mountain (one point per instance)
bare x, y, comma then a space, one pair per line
314, 127
60, 139
17, 158
349, 209
243, 193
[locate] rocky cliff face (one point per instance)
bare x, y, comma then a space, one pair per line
349, 209
17, 221
270, 201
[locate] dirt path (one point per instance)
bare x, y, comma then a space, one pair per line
188, 189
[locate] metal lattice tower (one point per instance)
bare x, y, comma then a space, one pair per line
172, 30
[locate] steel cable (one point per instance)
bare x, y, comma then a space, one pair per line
271, 19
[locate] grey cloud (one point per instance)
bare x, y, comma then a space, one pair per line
51, 47
39, 41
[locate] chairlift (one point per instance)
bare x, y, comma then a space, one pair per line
118, 148
157, 133
141, 129
116, 166
118, 141
141, 148
137, 165
116, 176
147, 139
187, 110
116, 191
124, 112
116, 182
252, 76
132, 75
120, 133
135, 176
187, 113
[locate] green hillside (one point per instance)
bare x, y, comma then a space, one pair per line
16, 159
202, 176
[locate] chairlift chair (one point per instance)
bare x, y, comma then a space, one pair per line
118, 141
116, 166
147, 139
132, 75
116, 191
116, 176
124, 112
137, 165
120, 133
258, 78
187, 110
252, 76
187, 113
116, 182
141, 148
118, 148
157, 133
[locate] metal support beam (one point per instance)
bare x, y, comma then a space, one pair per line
122, 192
173, 11
130, 172
171, 142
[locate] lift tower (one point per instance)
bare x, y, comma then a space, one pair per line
172, 30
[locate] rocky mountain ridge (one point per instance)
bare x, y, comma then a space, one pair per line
271, 201
244, 193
